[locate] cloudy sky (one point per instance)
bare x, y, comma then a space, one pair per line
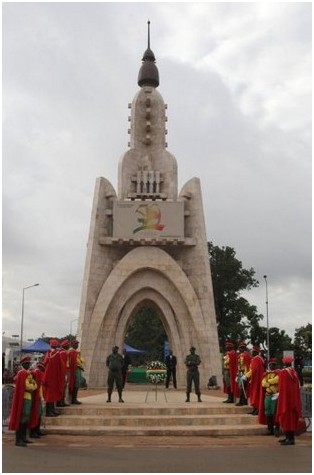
237, 81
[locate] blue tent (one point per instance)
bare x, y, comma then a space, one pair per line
132, 351
39, 346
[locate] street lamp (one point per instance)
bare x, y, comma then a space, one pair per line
75, 320
267, 321
22, 319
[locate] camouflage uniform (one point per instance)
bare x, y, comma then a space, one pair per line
114, 363
192, 361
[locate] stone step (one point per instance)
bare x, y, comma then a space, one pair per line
175, 430
156, 420
159, 410
154, 413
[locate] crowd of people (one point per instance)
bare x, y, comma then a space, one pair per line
272, 392
54, 382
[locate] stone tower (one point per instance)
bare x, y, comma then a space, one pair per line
147, 246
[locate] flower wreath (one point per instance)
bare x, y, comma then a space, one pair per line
156, 372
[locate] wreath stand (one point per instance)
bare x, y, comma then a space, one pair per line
155, 389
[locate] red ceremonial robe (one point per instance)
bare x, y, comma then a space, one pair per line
18, 399
72, 367
64, 359
52, 381
257, 367
233, 368
289, 400
35, 411
261, 407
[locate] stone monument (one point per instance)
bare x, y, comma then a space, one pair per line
147, 246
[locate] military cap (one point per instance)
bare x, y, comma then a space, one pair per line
25, 359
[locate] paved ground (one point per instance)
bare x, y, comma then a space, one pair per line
80, 459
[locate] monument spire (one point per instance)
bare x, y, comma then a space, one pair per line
148, 34
148, 74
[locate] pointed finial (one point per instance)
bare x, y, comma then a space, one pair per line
148, 74
148, 42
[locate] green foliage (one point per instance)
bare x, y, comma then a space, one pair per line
303, 341
279, 341
235, 315
146, 332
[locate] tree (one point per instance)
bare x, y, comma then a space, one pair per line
303, 341
235, 316
146, 332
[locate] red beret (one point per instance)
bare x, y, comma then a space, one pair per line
25, 359
64, 343
242, 344
272, 361
256, 348
41, 365
287, 359
229, 344
54, 342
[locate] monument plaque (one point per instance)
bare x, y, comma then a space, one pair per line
148, 219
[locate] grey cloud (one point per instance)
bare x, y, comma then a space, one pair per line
69, 71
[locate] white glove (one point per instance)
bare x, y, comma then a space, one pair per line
244, 378
275, 396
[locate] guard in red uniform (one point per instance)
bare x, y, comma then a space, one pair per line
254, 376
244, 360
230, 371
65, 370
268, 399
289, 401
52, 381
37, 402
75, 368
25, 385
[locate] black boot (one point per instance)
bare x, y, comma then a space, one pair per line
199, 397
277, 430
18, 438
53, 409
187, 397
38, 430
120, 396
50, 409
270, 425
74, 396
281, 441
230, 397
241, 400
24, 433
63, 403
33, 434
109, 395
289, 440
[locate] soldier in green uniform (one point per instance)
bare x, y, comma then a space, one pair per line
192, 361
114, 363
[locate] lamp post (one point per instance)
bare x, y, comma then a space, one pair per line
267, 320
22, 319
75, 320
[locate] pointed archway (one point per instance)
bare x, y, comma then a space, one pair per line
140, 277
